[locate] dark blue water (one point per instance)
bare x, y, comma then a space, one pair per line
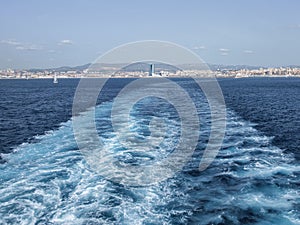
254, 180
273, 104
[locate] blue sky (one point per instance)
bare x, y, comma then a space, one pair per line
42, 34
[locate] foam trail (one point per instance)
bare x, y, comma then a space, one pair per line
250, 181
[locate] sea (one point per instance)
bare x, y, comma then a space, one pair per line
255, 178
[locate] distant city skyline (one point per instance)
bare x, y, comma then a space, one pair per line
46, 34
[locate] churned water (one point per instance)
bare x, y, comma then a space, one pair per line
44, 178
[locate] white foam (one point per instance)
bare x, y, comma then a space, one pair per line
51, 180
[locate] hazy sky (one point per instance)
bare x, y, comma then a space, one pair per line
42, 34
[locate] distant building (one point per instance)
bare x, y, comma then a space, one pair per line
152, 70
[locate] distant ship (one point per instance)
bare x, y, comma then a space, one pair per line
55, 81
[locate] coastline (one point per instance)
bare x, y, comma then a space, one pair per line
147, 77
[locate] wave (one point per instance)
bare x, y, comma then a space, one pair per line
250, 182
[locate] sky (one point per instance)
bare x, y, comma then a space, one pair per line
46, 34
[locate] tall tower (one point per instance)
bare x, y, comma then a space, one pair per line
151, 71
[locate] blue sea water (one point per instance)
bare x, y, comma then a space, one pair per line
44, 179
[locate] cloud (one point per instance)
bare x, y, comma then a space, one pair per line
10, 42
199, 47
29, 47
21, 46
65, 42
224, 51
248, 52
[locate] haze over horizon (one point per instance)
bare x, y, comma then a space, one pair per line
36, 34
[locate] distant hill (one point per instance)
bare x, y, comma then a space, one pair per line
143, 66
216, 67
63, 68
139, 66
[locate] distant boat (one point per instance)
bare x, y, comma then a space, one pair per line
55, 81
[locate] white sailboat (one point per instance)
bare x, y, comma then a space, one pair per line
55, 81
